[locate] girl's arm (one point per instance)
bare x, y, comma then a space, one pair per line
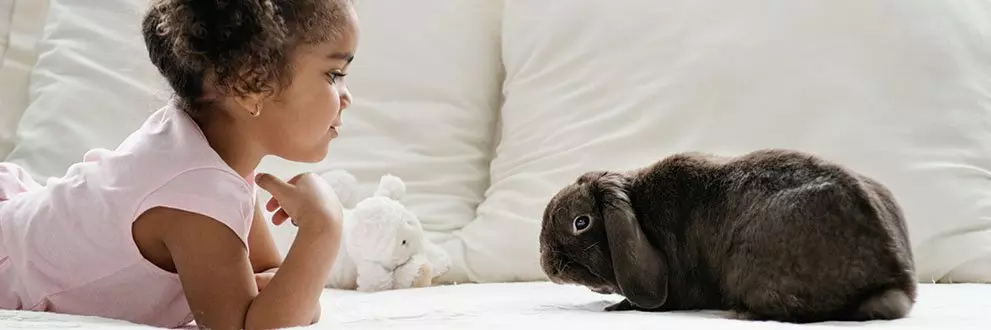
263, 254
218, 278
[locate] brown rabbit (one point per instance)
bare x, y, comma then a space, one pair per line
771, 235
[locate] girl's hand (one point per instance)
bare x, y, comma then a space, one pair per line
306, 199
200, 245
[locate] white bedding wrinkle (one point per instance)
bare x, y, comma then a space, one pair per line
543, 305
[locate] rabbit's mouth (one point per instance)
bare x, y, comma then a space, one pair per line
556, 266
563, 269
597, 283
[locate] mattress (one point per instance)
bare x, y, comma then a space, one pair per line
542, 305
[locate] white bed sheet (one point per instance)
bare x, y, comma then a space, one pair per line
550, 306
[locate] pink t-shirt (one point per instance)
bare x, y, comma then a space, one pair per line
67, 247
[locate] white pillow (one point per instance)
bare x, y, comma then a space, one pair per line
426, 81
6, 15
898, 90
21, 25
92, 86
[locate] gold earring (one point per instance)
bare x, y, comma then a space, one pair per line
258, 110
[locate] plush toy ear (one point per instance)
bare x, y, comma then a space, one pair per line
392, 187
345, 186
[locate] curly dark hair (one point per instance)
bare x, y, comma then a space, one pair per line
244, 45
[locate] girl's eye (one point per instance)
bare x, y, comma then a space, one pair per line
581, 222
335, 77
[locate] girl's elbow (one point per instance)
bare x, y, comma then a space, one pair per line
316, 314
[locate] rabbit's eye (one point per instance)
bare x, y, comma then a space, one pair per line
582, 222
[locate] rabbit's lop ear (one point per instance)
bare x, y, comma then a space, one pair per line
640, 269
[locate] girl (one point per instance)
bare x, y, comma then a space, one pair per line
165, 230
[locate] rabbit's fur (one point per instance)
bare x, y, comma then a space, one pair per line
771, 235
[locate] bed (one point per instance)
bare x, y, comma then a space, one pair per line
543, 305
509, 99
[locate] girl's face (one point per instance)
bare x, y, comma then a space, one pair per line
303, 118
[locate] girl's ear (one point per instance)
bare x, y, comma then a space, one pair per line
250, 105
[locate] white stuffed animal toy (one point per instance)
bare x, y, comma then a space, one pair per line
382, 244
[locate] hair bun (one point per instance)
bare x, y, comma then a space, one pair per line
216, 31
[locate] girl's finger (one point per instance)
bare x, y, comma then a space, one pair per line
272, 184
279, 217
272, 204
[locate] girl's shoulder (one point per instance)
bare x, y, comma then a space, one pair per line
211, 192
183, 172
168, 162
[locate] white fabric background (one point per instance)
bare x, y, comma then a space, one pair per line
21, 24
